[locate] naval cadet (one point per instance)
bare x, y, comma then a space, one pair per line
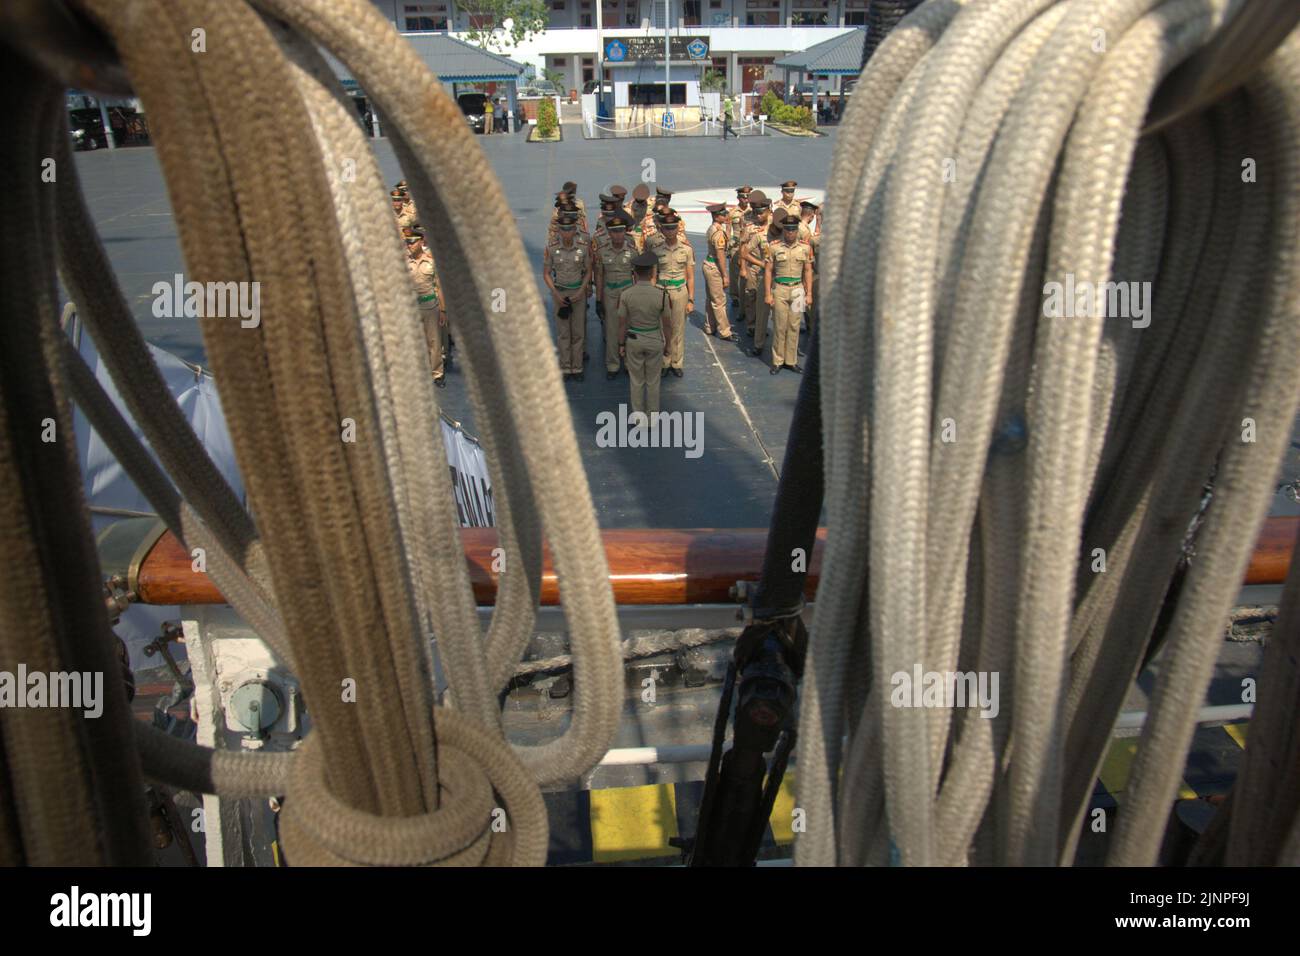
736, 222
676, 275
753, 252
788, 285
566, 269
433, 312
645, 333
613, 276
786, 204
716, 275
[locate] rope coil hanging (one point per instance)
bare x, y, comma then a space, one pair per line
981, 453
388, 778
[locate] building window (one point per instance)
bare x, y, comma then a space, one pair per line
482, 21
632, 19
425, 16
652, 94
691, 13
762, 13
586, 20
855, 18
559, 61
557, 4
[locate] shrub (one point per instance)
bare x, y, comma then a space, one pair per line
546, 118
797, 116
770, 104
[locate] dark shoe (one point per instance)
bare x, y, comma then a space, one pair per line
663, 373
585, 356
735, 303
797, 369
728, 338
774, 369
677, 372
610, 376
755, 352
441, 382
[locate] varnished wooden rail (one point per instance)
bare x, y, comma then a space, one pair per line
646, 565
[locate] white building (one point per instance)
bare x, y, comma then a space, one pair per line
745, 37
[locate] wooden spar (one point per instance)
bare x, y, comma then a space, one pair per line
646, 565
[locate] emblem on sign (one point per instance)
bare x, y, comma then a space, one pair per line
697, 49
615, 50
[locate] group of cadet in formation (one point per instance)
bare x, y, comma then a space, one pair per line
641, 269
637, 262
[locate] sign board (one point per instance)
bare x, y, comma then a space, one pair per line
633, 49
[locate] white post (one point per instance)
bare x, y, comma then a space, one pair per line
108, 127
668, 56
510, 121
762, 124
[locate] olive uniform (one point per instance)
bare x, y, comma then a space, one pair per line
735, 224
754, 244
643, 315
428, 295
676, 274
616, 277
570, 267
714, 268
786, 264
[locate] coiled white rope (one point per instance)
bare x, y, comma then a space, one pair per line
979, 448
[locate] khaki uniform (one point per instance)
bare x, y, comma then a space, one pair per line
755, 243
553, 231
642, 307
428, 297
781, 209
736, 225
675, 264
406, 218
715, 314
648, 230
568, 266
636, 231
814, 311
787, 264
616, 264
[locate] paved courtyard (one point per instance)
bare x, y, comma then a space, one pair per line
746, 411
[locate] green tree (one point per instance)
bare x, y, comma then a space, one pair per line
554, 77
770, 105
713, 82
487, 21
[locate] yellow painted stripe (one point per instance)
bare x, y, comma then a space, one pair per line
1118, 764
782, 818
1238, 732
632, 823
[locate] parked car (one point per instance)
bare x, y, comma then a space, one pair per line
471, 104
87, 129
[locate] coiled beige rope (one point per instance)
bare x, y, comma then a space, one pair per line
354, 562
